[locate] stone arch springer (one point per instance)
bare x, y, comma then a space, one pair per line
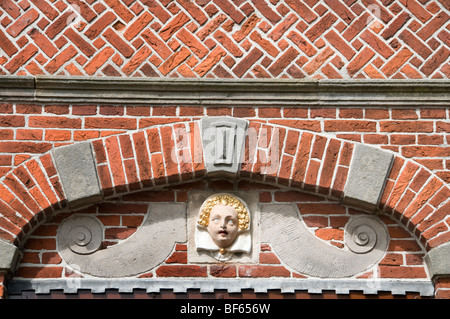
358, 175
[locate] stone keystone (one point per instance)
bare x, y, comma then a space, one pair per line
223, 140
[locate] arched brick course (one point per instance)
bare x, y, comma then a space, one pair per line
172, 153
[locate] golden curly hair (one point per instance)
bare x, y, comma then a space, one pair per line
226, 200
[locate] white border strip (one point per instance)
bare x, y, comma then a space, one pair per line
313, 286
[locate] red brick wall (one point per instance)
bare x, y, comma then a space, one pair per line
2, 287
442, 287
226, 39
417, 133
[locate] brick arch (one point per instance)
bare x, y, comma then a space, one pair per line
168, 154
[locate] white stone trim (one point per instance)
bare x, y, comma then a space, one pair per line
258, 285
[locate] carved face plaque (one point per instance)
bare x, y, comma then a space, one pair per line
222, 226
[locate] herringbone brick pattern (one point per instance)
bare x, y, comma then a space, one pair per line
226, 39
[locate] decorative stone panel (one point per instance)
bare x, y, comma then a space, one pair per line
165, 225
251, 199
365, 237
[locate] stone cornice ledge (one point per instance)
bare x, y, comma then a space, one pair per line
258, 285
224, 92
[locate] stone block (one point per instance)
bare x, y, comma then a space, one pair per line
438, 261
8, 256
369, 169
76, 167
223, 140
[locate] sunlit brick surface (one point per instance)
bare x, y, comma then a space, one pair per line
226, 39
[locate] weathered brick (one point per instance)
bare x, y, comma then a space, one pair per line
173, 26
246, 28
99, 25
54, 65
278, 66
336, 41
58, 25
194, 45
377, 44
350, 126
181, 271
157, 44
227, 43
194, 11
53, 122
360, 60
40, 272
46, 9
118, 43
11, 8
262, 7
395, 25
21, 58
212, 59
321, 26
110, 123
302, 157
263, 271
157, 10
279, 30
7, 46
230, 10
223, 271
247, 62
318, 61
341, 9
435, 61
81, 44
406, 126
402, 272
302, 10
23, 22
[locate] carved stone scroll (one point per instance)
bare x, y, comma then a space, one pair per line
141, 252
81, 234
366, 237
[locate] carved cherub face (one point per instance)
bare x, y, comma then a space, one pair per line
223, 225
224, 216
